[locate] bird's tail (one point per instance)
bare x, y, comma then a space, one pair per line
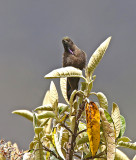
72, 84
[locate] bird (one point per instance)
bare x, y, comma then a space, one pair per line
75, 57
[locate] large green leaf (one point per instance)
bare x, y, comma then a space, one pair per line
47, 107
53, 93
83, 140
109, 134
115, 114
102, 100
63, 87
97, 55
65, 72
123, 126
46, 114
120, 155
127, 145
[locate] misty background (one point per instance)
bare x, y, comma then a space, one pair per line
30, 47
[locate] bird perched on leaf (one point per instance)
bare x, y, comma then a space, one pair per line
75, 57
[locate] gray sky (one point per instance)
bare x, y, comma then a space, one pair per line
30, 47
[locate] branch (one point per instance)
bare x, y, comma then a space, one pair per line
63, 125
72, 141
81, 132
48, 150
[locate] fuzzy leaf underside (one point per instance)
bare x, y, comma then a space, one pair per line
63, 87
109, 134
115, 114
64, 72
97, 55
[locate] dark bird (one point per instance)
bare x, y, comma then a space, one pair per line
72, 56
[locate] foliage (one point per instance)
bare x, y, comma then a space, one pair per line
61, 131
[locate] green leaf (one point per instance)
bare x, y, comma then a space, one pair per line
53, 93
46, 114
34, 120
65, 72
102, 100
24, 113
63, 87
32, 145
47, 107
97, 55
127, 145
115, 114
58, 145
72, 123
83, 86
62, 107
120, 155
88, 155
72, 97
123, 126
44, 122
109, 134
90, 86
83, 140
134, 158
37, 130
39, 154
108, 117
124, 139
64, 136
46, 99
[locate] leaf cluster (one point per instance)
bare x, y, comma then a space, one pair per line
61, 131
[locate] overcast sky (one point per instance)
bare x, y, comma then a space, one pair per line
30, 47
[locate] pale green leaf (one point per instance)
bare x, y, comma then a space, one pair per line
90, 86
115, 114
46, 99
124, 139
123, 126
53, 93
120, 155
108, 117
58, 145
88, 155
24, 113
39, 154
32, 145
62, 107
127, 145
134, 158
65, 72
73, 94
44, 122
64, 136
37, 130
83, 140
34, 120
72, 123
46, 114
47, 107
109, 134
83, 86
63, 87
102, 100
97, 55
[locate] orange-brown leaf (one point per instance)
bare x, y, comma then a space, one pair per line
93, 126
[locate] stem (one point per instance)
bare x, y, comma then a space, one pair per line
48, 150
63, 125
72, 140
81, 132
